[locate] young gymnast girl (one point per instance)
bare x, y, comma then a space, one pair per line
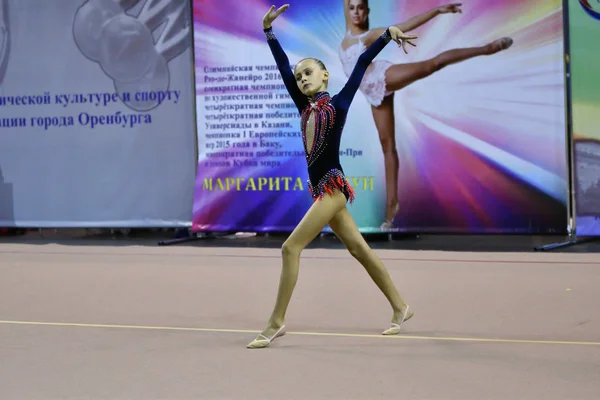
383, 78
322, 119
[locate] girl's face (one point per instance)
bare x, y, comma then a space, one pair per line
310, 77
358, 12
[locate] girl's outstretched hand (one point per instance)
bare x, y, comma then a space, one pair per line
401, 38
272, 14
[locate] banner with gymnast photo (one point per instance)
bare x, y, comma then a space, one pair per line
464, 134
584, 30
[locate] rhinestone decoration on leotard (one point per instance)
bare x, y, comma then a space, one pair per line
386, 36
270, 34
324, 120
333, 180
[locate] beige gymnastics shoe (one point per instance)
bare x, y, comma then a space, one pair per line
265, 342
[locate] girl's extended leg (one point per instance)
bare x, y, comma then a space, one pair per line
399, 76
383, 116
317, 216
345, 228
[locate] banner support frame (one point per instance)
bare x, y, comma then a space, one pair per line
571, 198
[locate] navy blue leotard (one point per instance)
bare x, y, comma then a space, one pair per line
324, 169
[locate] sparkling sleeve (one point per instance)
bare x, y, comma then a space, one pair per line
283, 64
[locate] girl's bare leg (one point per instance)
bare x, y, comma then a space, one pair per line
315, 219
345, 228
383, 116
399, 76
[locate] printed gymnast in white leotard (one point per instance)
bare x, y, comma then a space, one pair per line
383, 78
373, 83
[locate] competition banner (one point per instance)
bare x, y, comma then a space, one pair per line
477, 146
97, 123
584, 30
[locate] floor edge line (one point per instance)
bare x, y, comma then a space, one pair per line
300, 333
